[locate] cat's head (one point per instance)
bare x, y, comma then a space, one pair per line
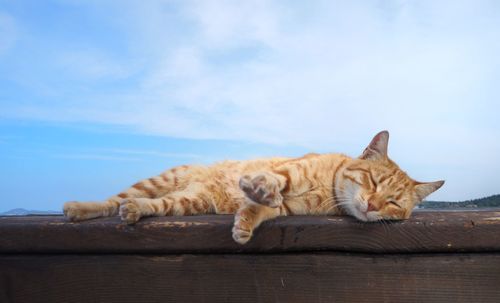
374, 187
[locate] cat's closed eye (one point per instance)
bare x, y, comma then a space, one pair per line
391, 202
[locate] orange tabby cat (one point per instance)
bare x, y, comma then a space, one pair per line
370, 188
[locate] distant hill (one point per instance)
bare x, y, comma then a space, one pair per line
25, 212
491, 201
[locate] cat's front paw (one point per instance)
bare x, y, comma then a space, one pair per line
129, 211
262, 188
242, 232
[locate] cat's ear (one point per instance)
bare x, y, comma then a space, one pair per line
377, 149
424, 189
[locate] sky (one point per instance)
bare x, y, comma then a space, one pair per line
95, 95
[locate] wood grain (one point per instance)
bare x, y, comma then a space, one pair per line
424, 232
293, 277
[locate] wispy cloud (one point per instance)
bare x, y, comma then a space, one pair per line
8, 32
98, 157
151, 153
113, 154
254, 70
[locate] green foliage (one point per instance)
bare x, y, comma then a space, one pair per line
491, 201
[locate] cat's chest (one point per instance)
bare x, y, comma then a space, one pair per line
312, 194
316, 200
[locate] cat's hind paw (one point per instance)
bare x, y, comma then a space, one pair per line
129, 211
262, 189
72, 211
79, 211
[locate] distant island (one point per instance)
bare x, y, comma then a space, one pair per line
26, 212
486, 202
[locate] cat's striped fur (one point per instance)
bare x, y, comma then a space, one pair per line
370, 188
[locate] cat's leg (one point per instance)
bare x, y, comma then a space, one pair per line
249, 217
79, 211
264, 201
264, 188
193, 200
148, 188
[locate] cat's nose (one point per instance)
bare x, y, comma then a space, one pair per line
371, 207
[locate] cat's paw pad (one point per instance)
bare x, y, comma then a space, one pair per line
72, 211
129, 211
241, 236
262, 189
241, 232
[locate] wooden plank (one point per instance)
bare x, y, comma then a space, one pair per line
426, 231
311, 277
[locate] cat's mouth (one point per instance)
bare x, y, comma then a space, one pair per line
357, 207
361, 213
362, 216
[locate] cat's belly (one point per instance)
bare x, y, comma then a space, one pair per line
227, 196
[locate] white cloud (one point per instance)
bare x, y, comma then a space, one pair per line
8, 32
111, 154
153, 153
229, 24
97, 157
364, 67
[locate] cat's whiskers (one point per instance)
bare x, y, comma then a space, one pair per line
339, 201
386, 224
336, 205
323, 203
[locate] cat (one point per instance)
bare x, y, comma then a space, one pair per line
371, 187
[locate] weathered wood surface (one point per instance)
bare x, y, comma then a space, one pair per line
292, 277
424, 232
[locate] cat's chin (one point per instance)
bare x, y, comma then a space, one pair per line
360, 216
354, 211
370, 216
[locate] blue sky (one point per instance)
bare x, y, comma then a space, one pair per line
97, 94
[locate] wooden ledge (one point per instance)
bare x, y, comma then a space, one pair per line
425, 232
